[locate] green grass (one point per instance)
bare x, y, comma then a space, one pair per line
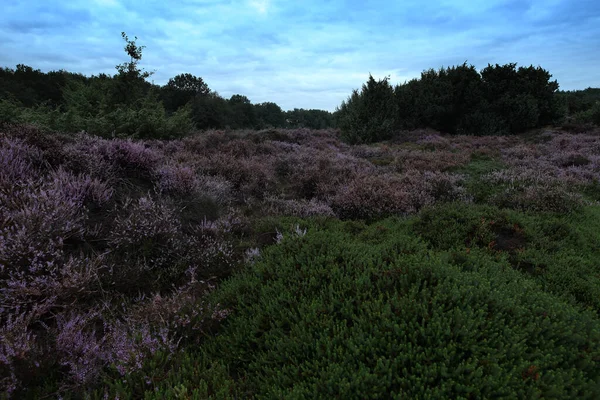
442, 305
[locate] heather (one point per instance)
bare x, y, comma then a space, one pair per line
288, 263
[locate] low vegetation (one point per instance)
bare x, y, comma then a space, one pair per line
286, 263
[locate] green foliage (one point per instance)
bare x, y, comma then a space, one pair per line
589, 116
580, 100
557, 251
10, 112
114, 105
211, 111
242, 112
130, 70
180, 91
369, 115
440, 99
31, 87
269, 115
455, 100
524, 98
312, 119
370, 312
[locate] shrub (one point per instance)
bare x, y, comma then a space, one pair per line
367, 197
10, 112
178, 180
378, 315
369, 115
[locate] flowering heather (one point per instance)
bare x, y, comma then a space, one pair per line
18, 161
371, 196
440, 160
217, 188
176, 180
147, 219
74, 243
544, 197
250, 176
433, 141
78, 348
108, 159
35, 224
82, 189
309, 174
299, 208
561, 151
132, 155
252, 255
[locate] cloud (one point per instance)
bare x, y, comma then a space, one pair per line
261, 6
308, 54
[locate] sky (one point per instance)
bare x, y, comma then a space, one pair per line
303, 54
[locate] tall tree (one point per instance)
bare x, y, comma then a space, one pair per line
369, 115
242, 112
269, 115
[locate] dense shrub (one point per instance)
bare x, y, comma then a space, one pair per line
557, 250
374, 314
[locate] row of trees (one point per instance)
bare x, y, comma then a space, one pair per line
583, 106
126, 104
500, 99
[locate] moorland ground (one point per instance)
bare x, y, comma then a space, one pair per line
288, 264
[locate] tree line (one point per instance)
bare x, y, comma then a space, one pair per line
126, 104
499, 99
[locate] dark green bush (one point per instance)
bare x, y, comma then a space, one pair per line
558, 250
499, 99
378, 315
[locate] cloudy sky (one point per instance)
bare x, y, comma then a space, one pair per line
308, 53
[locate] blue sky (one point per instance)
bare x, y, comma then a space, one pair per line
304, 54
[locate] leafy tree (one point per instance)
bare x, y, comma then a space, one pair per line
577, 101
499, 99
31, 87
269, 115
130, 69
181, 89
523, 98
210, 111
312, 119
242, 112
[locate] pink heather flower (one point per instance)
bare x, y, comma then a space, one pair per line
18, 162
177, 180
